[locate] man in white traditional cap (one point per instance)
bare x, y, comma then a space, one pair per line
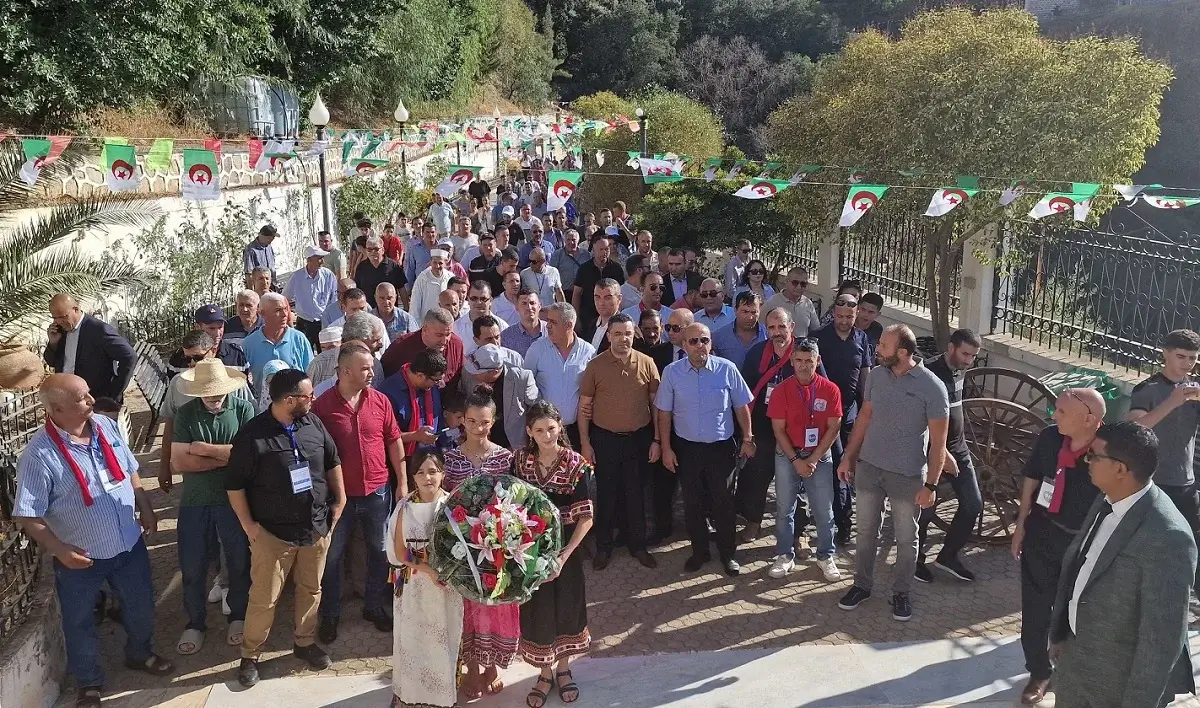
204, 430
430, 284
330, 338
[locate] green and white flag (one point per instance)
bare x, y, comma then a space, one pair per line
159, 157
633, 156
275, 152
1078, 200
1165, 202
120, 164
859, 201
1130, 192
762, 188
710, 173
735, 170
359, 166
562, 187
945, 200
655, 171
857, 175
599, 158
457, 177
769, 169
802, 174
201, 176
38, 154
1014, 191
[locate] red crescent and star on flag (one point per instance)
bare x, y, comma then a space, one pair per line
1061, 204
863, 201
121, 169
765, 188
564, 189
200, 174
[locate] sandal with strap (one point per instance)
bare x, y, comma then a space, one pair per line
155, 666
88, 697
537, 694
564, 688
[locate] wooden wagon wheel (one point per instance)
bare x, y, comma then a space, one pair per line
1009, 385
1000, 435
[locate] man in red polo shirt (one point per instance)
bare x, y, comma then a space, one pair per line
806, 415
362, 425
436, 333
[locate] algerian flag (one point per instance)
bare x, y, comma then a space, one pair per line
121, 168
201, 176
457, 177
859, 201
1013, 191
768, 169
944, 200
374, 143
762, 188
562, 187
38, 154
1130, 192
359, 166
735, 170
913, 172
599, 158
159, 157
634, 156
1079, 200
654, 171
711, 173
1165, 202
801, 174
317, 148
269, 155
857, 175
104, 147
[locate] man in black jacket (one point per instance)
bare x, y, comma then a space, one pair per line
89, 348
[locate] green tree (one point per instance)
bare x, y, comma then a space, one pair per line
1005, 102
627, 46
778, 27
521, 59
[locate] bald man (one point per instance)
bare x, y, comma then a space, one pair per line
89, 348
713, 312
77, 491
1056, 496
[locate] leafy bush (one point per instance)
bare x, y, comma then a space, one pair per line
378, 199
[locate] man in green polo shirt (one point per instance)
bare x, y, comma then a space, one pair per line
204, 430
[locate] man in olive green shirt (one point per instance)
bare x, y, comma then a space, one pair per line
204, 430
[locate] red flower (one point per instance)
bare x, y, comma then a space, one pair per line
527, 537
539, 524
459, 514
489, 581
478, 534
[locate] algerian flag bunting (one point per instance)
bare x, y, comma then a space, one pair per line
38, 154
121, 168
1130, 192
457, 177
762, 188
1013, 191
857, 175
859, 201
711, 172
735, 170
159, 157
562, 187
945, 200
655, 171
1078, 200
1165, 202
802, 174
272, 154
201, 176
359, 166
599, 158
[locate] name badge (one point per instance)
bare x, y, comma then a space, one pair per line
110, 485
820, 404
301, 478
770, 390
1046, 492
812, 436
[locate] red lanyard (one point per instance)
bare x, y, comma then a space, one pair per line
110, 460
769, 374
415, 417
1067, 458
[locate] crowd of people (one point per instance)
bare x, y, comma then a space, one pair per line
563, 349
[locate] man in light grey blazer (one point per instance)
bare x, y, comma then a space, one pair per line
513, 390
1119, 628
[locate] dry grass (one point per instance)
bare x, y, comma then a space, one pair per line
146, 121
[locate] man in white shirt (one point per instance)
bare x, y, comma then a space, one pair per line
441, 214
542, 279
313, 289
479, 303
505, 306
793, 299
463, 239
526, 221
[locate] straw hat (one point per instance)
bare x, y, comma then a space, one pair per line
211, 378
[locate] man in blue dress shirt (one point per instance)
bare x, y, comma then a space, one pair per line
313, 289
735, 339
697, 402
713, 312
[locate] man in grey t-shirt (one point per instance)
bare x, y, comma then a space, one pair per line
1169, 403
896, 451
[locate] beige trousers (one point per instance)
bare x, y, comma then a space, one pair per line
270, 562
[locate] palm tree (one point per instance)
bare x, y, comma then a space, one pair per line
37, 256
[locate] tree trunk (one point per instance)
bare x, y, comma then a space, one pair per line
938, 279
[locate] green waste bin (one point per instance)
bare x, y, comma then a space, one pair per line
1116, 402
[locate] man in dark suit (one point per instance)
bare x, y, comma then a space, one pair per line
1120, 622
680, 281
89, 348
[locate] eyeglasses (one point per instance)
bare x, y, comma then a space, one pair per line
744, 251
846, 302
1079, 398
709, 293
194, 358
756, 271
654, 287
693, 341
302, 396
674, 328
799, 283
1089, 456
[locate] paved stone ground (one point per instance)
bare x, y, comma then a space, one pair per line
632, 611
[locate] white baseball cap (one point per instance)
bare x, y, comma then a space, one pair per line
311, 251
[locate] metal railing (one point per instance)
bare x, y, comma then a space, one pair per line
888, 257
1107, 296
20, 416
801, 251
162, 330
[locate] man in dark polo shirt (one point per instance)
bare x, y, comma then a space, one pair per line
949, 367
1169, 403
284, 482
616, 432
436, 333
600, 267
488, 258
1056, 496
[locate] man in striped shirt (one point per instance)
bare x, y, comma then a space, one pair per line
77, 490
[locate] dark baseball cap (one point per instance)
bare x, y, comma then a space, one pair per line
487, 236
268, 230
209, 314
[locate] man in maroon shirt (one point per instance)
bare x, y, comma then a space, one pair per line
436, 333
362, 425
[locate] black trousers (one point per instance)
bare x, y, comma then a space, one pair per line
1041, 563
621, 470
843, 492
966, 489
1187, 501
573, 436
663, 483
312, 330
706, 474
755, 478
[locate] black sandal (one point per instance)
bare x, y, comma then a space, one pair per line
155, 666
537, 694
568, 686
88, 697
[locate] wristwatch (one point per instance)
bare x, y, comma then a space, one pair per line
794, 457
931, 487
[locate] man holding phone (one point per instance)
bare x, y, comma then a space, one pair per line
89, 348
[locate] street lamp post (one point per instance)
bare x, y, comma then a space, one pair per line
641, 116
496, 118
458, 144
401, 116
318, 115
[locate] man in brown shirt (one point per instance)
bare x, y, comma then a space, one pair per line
616, 395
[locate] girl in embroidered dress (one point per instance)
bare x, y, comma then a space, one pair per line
554, 621
490, 633
427, 624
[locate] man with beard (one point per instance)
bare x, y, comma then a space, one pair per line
601, 267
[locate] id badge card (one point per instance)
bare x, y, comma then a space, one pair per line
812, 436
110, 485
1046, 492
301, 478
770, 390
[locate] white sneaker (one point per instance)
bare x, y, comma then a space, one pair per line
225, 604
216, 593
830, 569
782, 566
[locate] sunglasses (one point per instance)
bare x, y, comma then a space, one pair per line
654, 287
744, 251
799, 283
693, 341
709, 293
674, 328
756, 271
1089, 456
194, 358
1079, 398
846, 302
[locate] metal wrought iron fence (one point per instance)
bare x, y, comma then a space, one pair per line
1107, 296
20, 415
163, 330
801, 251
888, 257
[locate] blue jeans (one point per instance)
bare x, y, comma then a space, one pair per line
198, 532
129, 576
788, 486
372, 511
